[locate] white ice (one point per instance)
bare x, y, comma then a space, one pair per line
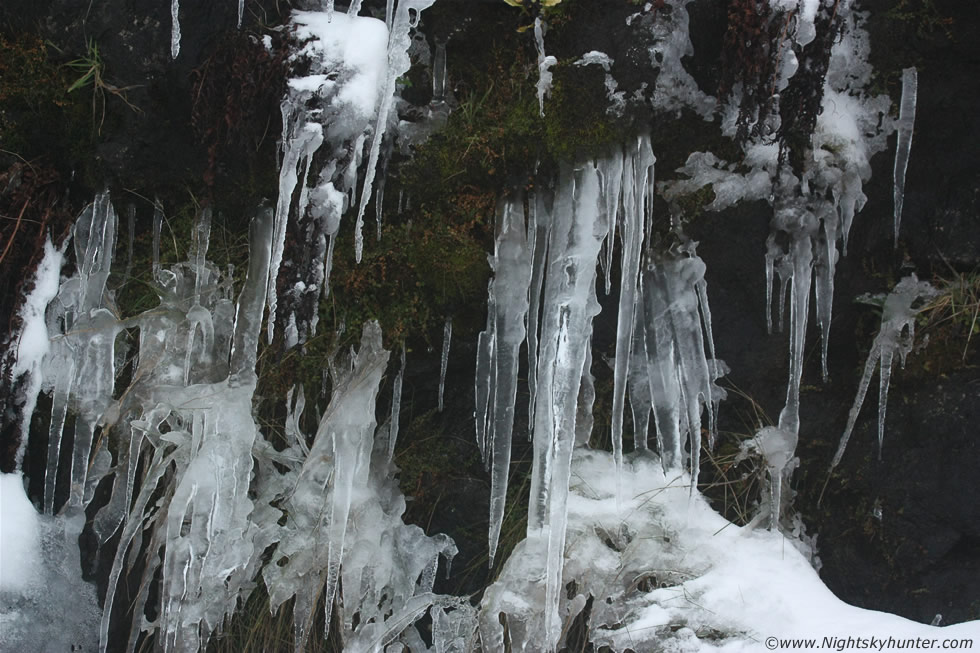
545, 63
20, 537
666, 572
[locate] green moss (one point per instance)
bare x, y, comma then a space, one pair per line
576, 122
410, 281
691, 206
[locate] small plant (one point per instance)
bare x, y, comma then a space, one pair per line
956, 310
924, 16
92, 69
730, 482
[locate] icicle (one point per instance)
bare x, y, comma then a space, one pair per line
81, 366
399, 40
311, 553
241, 10
512, 274
561, 459
157, 228
800, 222
300, 141
569, 306
681, 377
897, 334
59, 411
770, 264
130, 229
544, 63
379, 199
906, 123
539, 230
484, 379
584, 419
248, 314
396, 405
635, 208
611, 178
447, 336
825, 265
175, 29
439, 74
355, 8
638, 380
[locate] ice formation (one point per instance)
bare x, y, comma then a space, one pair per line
78, 369
343, 513
694, 597
680, 371
20, 537
175, 28
43, 600
396, 406
545, 274
906, 122
897, 335
447, 338
338, 111
196, 492
813, 208
32, 343
675, 88
545, 63
499, 349
200, 505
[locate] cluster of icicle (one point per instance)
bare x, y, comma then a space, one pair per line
198, 494
813, 212
543, 292
335, 117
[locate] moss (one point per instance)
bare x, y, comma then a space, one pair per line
691, 206
38, 117
576, 122
416, 276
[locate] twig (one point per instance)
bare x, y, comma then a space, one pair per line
10, 239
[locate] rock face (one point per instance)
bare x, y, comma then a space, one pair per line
901, 534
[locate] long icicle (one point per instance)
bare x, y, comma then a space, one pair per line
906, 123
447, 338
